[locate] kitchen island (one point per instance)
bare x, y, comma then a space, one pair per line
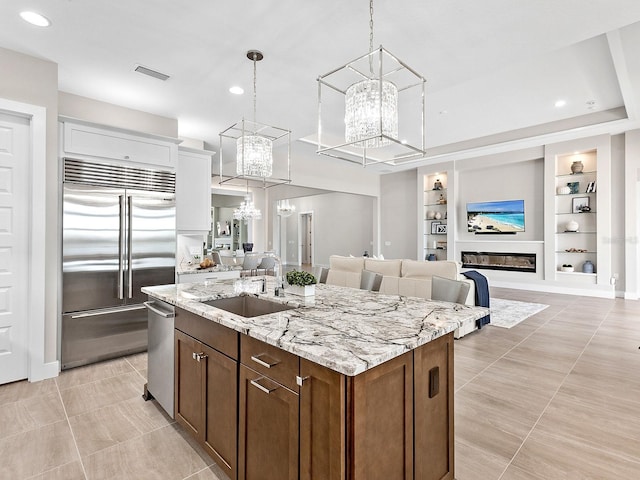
349, 384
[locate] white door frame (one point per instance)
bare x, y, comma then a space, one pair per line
38, 369
301, 226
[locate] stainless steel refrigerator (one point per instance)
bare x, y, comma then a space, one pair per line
118, 226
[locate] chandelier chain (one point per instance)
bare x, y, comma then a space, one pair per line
371, 25
255, 72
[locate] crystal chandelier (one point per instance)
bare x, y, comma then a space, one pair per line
372, 86
247, 211
254, 153
285, 209
253, 145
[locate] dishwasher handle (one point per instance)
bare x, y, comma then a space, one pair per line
156, 310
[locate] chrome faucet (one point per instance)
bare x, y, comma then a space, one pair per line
277, 273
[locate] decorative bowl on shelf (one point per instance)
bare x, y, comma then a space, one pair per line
566, 268
564, 190
572, 226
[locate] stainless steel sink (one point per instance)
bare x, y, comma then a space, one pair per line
248, 306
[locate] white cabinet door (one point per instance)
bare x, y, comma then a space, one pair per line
193, 191
104, 143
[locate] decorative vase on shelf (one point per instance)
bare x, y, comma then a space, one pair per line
438, 216
430, 214
572, 226
587, 266
577, 167
565, 190
431, 257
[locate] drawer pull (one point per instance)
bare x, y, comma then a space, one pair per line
261, 387
199, 356
259, 361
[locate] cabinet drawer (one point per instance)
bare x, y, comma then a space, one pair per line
281, 366
213, 334
97, 142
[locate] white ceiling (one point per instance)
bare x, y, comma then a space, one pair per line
496, 67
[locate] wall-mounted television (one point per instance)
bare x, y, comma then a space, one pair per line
503, 216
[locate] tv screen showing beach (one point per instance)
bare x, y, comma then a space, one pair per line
506, 216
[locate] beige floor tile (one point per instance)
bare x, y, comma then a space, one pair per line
31, 413
552, 457
138, 361
473, 463
496, 434
211, 473
165, 453
92, 396
36, 451
144, 416
16, 391
100, 429
70, 471
524, 374
611, 426
516, 473
91, 373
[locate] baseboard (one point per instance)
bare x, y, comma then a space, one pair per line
44, 371
535, 287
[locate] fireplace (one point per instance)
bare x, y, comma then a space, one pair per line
513, 262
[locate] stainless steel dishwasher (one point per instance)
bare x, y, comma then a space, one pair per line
161, 319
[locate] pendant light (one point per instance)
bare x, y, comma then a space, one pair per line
372, 86
254, 153
254, 145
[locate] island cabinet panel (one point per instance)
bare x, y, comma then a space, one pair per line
268, 437
322, 423
189, 385
381, 421
434, 435
206, 387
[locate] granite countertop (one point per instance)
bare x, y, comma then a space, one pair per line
195, 268
347, 330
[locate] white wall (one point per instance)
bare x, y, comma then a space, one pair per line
31, 80
399, 208
343, 224
115, 116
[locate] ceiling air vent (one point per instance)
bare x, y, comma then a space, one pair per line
151, 73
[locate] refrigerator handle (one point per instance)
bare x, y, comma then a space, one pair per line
130, 246
121, 250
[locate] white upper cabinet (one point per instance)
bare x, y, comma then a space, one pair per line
84, 140
193, 190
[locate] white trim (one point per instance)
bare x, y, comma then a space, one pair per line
37, 369
300, 236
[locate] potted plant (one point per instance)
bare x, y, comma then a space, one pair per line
301, 283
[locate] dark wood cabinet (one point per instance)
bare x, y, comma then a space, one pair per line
268, 429
323, 414
206, 390
434, 434
189, 383
381, 425
268, 445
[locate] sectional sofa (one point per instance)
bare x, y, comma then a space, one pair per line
399, 277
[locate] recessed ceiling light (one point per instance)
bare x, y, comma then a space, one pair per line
560, 103
236, 90
35, 19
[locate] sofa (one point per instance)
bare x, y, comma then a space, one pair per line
405, 277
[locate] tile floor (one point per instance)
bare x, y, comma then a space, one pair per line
556, 397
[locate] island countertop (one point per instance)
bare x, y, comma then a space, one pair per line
347, 330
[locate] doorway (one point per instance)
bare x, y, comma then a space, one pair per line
305, 239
